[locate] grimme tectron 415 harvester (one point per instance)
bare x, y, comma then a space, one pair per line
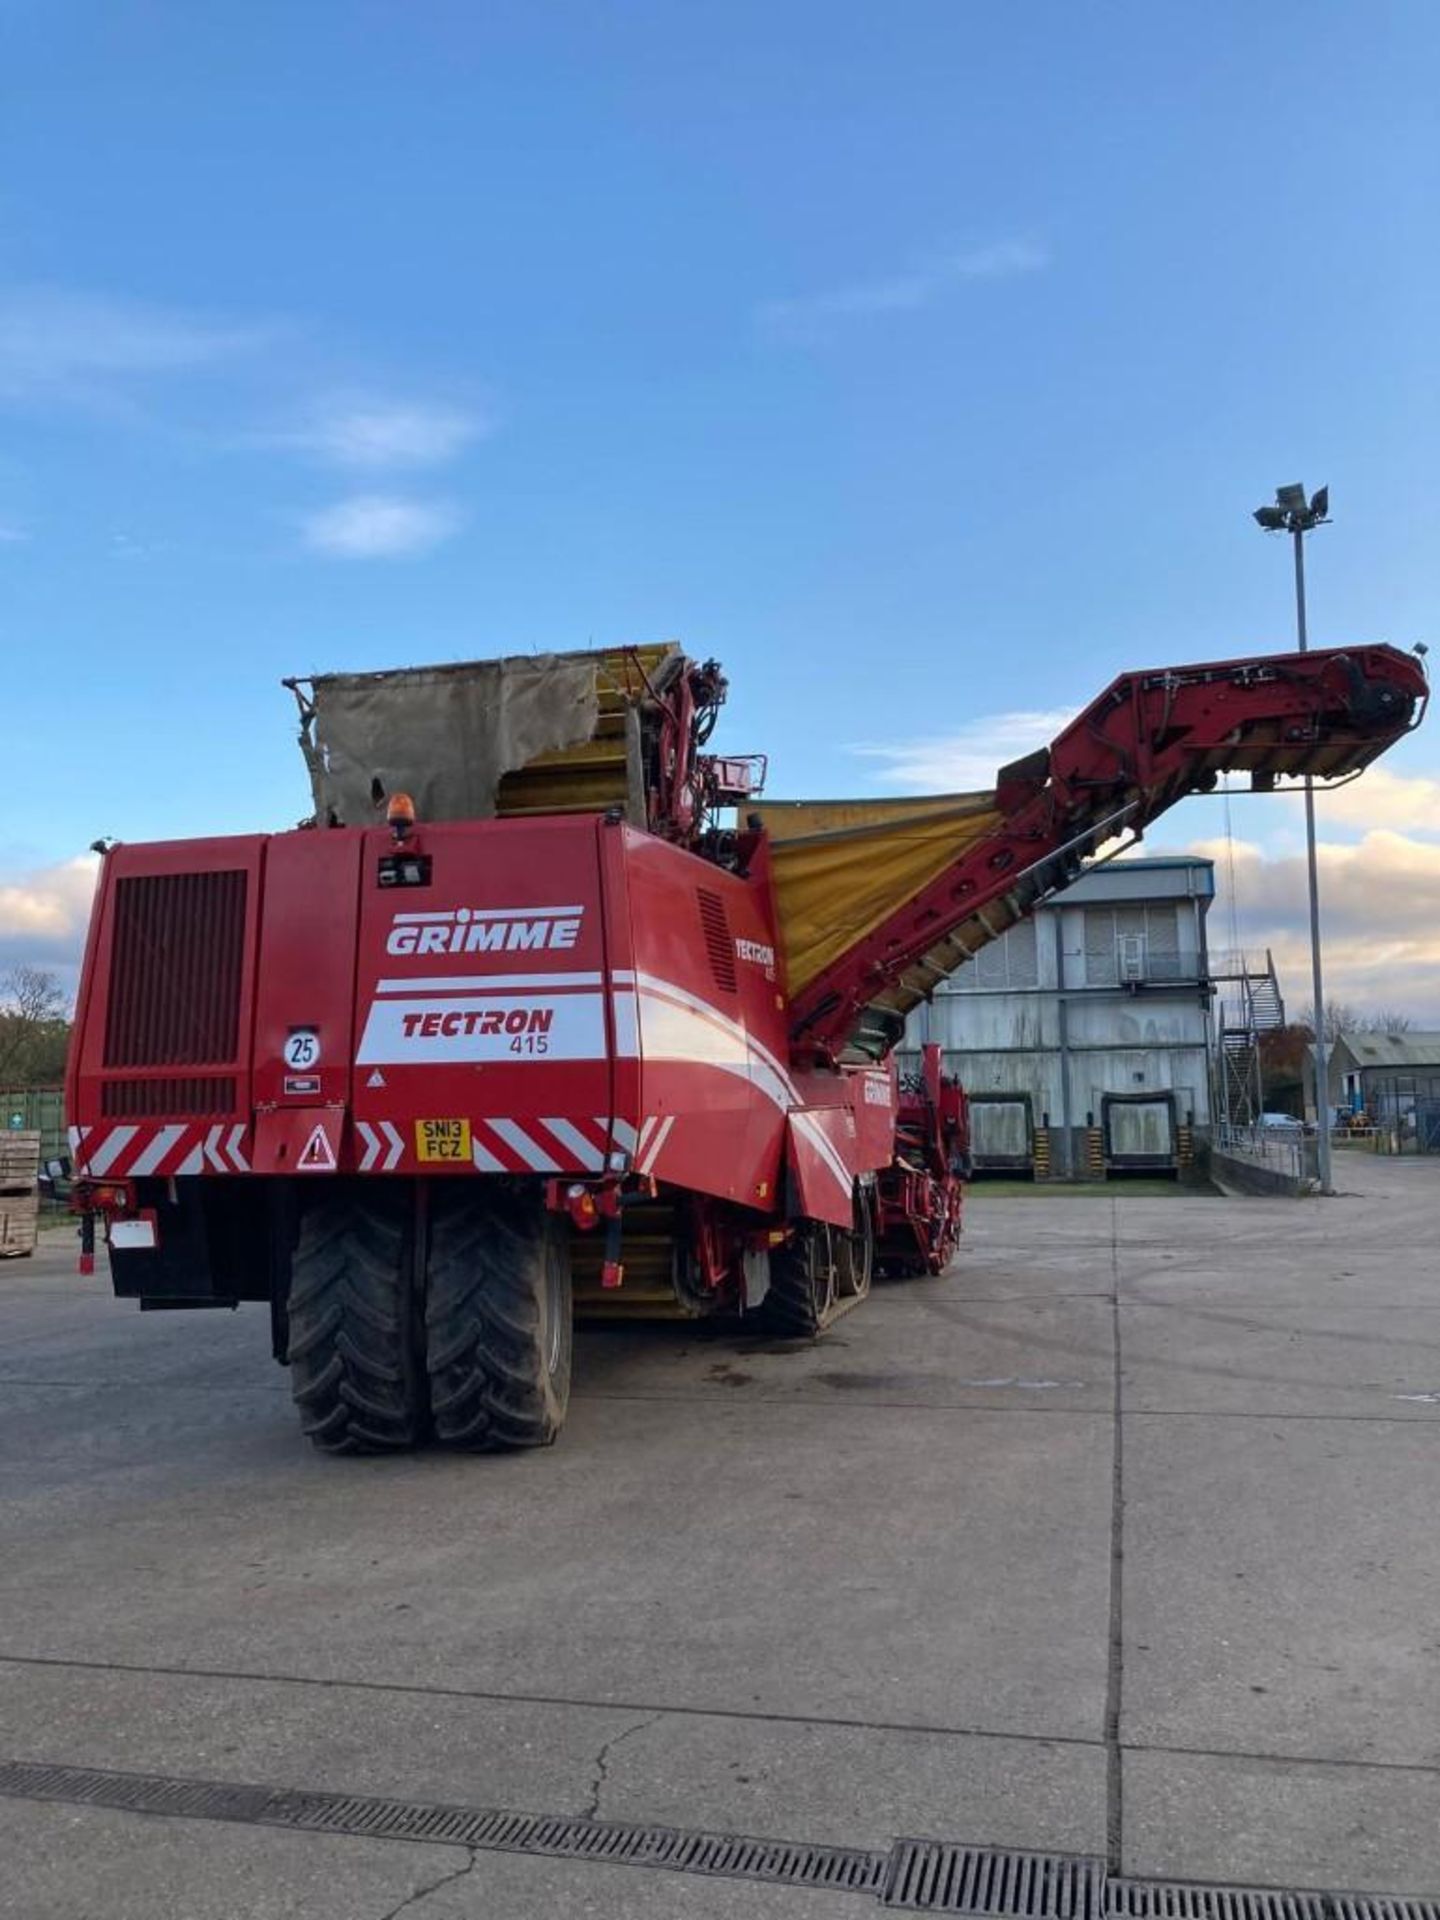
544, 1009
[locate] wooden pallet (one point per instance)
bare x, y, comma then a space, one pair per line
19, 1192
19, 1224
19, 1157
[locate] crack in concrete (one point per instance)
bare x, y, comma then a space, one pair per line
602, 1763
445, 1880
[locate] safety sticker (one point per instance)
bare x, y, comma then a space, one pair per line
319, 1155
442, 1140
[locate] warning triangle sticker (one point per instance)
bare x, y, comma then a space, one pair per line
377, 1079
319, 1155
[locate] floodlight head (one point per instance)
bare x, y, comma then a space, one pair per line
1272, 519
1320, 502
1291, 498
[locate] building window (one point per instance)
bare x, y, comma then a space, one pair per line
1131, 943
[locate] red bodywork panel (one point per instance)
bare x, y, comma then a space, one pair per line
561, 990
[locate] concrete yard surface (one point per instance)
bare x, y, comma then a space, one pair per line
1120, 1540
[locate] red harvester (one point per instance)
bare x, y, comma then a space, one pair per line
519, 1023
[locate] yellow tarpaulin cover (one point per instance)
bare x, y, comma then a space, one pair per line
843, 866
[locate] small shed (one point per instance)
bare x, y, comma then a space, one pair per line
1392, 1078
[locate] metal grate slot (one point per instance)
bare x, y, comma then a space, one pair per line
719, 944
167, 1098
924, 1876
851, 1869
176, 970
1199, 1900
934, 1877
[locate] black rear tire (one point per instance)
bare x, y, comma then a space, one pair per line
802, 1300
855, 1251
357, 1371
497, 1317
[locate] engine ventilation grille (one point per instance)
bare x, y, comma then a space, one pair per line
176, 970
715, 923
167, 1098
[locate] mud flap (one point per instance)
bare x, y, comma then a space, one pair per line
820, 1150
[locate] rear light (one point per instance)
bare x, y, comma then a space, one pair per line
103, 1196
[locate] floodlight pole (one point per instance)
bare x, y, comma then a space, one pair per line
1322, 1064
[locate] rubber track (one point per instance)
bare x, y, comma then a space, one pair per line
483, 1339
353, 1374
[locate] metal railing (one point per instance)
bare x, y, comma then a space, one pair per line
1287, 1150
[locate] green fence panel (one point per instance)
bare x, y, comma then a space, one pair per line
32, 1107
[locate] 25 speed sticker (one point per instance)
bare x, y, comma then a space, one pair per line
445, 1140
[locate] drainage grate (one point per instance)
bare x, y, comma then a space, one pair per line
133, 1792
933, 1877
1187, 1900
844, 1869
925, 1876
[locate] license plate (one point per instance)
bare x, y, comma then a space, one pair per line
442, 1140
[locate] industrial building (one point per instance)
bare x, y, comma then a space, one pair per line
1391, 1080
1083, 1035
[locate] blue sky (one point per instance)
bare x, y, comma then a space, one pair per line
921, 362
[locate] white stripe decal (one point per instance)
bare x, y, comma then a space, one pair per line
485, 982
194, 1162
492, 913
370, 1140
485, 1161
662, 1134
212, 1150
233, 1148
590, 1157
807, 1125
624, 1134
702, 1035
395, 1144
645, 1132
150, 1157
625, 1017
516, 1138
109, 1151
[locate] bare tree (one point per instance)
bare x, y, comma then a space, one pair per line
34, 1027
1387, 1020
1342, 1016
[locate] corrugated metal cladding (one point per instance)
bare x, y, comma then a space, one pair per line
1094, 1013
1011, 961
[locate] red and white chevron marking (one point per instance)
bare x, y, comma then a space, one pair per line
557, 1145
129, 1150
125, 1150
381, 1146
502, 1143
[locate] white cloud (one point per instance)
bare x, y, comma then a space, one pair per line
78, 347
901, 292
1379, 913
44, 913
1407, 802
967, 760
367, 433
378, 526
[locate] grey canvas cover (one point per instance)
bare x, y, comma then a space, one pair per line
444, 735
